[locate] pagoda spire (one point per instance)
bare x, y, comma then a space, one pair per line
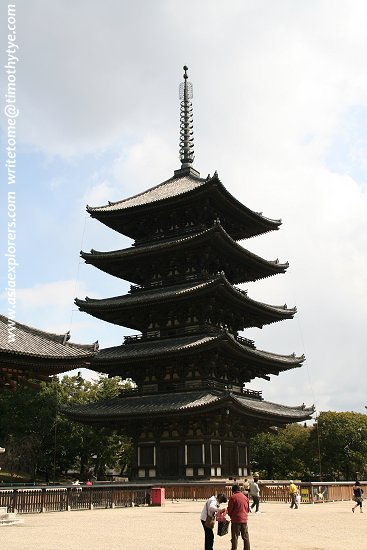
186, 128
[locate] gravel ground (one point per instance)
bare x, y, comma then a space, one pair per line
176, 526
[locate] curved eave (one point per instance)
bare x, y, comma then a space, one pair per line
178, 190
114, 262
43, 364
147, 351
136, 407
28, 344
279, 413
118, 309
59, 357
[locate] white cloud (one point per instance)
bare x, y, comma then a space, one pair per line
146, 163
57, 294
99, 194
49, 304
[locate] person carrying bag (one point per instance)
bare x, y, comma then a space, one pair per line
208, 517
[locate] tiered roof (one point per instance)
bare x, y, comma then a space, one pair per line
131, 310
133, 407
135, 353
239, 264
182, 192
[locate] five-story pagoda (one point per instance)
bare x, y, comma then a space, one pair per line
190, 416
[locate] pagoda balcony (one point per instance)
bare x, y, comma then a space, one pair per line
156, 334
186, 331
195, 385
170, 233
171, 280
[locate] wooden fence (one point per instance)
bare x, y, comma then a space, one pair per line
65, 498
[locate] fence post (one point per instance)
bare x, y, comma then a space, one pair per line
43, 500
67, 503
15, 501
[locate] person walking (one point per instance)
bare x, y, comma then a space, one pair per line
254, 491
357, 496
211, 507
238, 509
293, 494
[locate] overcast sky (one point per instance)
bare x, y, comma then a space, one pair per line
280, 111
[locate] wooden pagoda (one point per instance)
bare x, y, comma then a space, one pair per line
191, 416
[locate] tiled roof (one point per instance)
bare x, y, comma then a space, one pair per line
109, 308
178, 186
132, 406
152, 403
172, 187
37, 343
153, 347
273, 408
216, 232
149, 349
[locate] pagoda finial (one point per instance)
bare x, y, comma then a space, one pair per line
186, 123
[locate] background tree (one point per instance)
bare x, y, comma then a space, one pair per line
281, 454
343, 444
40, 439
334, 448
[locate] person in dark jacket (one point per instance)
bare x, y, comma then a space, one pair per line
238, 509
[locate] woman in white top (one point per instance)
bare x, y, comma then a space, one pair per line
211, 507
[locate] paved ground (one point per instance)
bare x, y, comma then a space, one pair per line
176, 526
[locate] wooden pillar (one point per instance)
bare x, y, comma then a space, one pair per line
207, 457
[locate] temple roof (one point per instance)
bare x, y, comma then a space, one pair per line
247, 266
27, 352
128, 310
32, 342
136, 351
172, 187
135, 406
177, 192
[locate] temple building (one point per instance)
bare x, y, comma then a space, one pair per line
29, 356
191, 415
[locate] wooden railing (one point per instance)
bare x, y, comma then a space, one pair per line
311, 492
110, 495
53, 499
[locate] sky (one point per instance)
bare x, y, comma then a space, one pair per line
280, 111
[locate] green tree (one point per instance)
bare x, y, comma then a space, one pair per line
40, 439
91, 449
342, 441
281, 453
26, 420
